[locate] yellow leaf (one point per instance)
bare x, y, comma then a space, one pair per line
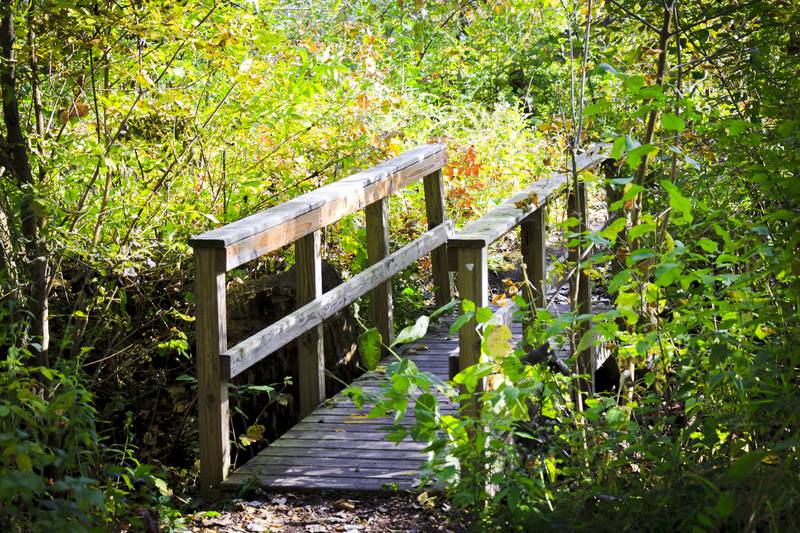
498, 342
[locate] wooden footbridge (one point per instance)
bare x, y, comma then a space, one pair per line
334, 446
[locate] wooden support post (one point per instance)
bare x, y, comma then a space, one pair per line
580, 286
473, 284
377, 215
435, 212
311, 362
212, 387
585, 360
533, 240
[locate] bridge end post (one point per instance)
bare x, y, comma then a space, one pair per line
212, 386
473, 284
310, 346
435, 212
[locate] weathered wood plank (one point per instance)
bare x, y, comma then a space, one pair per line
271, 338
510, 213
335, 443
343, 462
380, 305
310, 346
436, 215
300, 483
305, 451
361, 472
211, 324
253, 236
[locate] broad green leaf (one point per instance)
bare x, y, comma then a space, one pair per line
671, 121
620, 279
618, 147
369, 346
679, 203
636, 155
459, 322
483, 314
666, 273
413, 333
640, 229
708, 245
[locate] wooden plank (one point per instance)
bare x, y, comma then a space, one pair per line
436, 215
360, 472
346, 462
310, 346
306, 451
512, 212
300, 483
380, 305
211, 340
338, 443
271, 338
261, 233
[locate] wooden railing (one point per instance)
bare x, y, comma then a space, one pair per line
299, 221
528, 211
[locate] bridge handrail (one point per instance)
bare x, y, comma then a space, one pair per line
299, 221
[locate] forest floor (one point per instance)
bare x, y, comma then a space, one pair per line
318, 513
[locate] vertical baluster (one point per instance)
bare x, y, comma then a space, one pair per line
533, 239
377, 215
311, 364
435, 211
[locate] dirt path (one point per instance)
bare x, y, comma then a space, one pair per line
318, 513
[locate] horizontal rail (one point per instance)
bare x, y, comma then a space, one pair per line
251, 350
513, 211
263, 232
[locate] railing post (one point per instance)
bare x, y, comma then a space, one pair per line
580, 285
435, 212
311, 355
533, 240
212, 387
473, 284
377, 215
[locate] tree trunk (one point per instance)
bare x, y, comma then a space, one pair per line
16, 155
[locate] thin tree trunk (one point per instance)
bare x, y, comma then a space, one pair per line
16, 152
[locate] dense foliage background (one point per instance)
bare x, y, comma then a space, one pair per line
130, 126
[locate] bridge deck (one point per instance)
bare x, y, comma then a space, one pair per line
337, 447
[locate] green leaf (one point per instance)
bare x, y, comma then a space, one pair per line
679, 203
483, 314
620, 279
634, 83
641, 229
636, 155
745, 464
369, 346
667, 273
618, 147
593, 109
24, 462
671, 121
413, 333
459, 322
708, 245
725, 505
